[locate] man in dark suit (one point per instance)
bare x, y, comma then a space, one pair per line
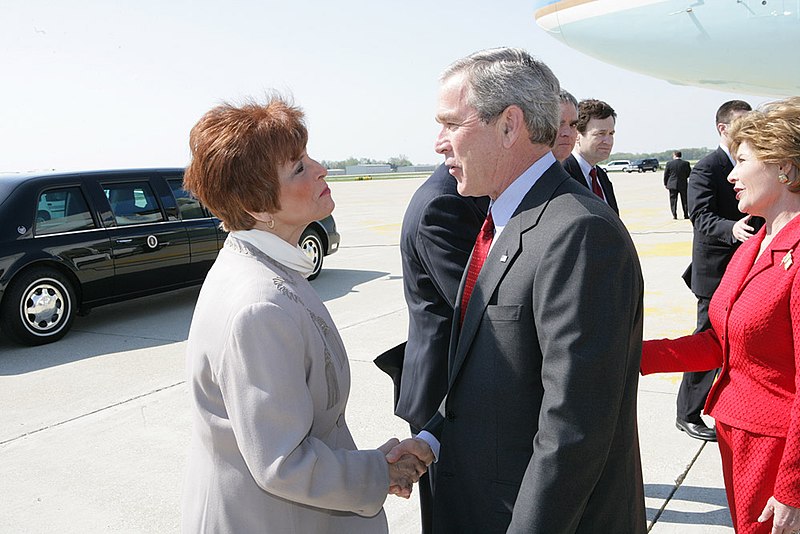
567, 126
537, 433
596, 128
719, 227
439, 229
676, 179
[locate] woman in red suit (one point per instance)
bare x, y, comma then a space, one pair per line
755, 334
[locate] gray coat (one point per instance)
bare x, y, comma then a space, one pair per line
269, 380
538, 429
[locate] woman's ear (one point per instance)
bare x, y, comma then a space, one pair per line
788, 168
263, 219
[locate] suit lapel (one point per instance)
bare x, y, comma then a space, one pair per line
502, 256
572, 166
780, 251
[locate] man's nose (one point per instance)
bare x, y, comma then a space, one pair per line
442, 143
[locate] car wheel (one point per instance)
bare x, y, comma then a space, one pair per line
311, 243
39, 307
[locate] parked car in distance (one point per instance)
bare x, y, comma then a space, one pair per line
615, 165
72, 241
642, 165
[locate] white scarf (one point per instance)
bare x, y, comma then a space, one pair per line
279, 250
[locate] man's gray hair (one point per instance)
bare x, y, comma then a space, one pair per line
567, 98
502, 77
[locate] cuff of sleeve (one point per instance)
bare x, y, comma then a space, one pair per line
432, 442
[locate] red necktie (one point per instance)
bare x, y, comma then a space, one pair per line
482, 244
596, 184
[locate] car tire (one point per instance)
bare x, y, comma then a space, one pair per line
39, 307
311, 244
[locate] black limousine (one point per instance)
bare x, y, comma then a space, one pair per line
73, 241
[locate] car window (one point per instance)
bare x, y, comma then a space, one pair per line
62, 210
190, 207
133, 203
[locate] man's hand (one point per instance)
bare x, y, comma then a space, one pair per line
415, 446
786, 520
743, 231
404, 470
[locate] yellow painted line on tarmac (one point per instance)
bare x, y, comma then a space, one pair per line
672, 378
384, 228
678, 248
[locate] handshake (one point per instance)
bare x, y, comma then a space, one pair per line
407, 461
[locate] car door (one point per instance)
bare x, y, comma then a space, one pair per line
150, 249
200, 226
67, 228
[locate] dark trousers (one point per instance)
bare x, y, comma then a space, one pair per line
425, 490
695, 386
673, 202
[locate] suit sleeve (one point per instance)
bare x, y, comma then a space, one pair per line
667, 172
588, 274
442, 244
263, 382
787, 483
703, 208
698, 352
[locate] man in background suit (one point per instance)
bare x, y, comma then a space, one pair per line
719, 227
538, 430
596, 127
676, 179
439, 229
567, 127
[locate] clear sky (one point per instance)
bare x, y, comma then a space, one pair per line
119, 83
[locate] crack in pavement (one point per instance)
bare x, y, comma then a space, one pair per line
678, 483
71, 419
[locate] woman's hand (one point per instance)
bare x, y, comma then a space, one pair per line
404, 472
786, 519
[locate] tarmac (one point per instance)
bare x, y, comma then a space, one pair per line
94, 428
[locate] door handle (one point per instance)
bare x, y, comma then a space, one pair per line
124, 241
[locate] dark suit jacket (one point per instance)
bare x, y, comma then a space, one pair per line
439, 229
676, 174
574, 169
713, 209
538, 428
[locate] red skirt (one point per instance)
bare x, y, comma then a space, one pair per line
750, 465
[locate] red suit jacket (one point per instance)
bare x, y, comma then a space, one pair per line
755, 338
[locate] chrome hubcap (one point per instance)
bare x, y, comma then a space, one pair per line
44, 306
311, 249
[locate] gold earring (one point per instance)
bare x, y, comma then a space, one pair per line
271, 224
782, 178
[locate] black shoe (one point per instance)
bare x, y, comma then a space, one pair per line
697, 430
675, 217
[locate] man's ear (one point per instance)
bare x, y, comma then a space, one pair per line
512, 125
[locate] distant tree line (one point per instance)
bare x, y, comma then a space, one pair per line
402, 160
398, 161
693, 154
